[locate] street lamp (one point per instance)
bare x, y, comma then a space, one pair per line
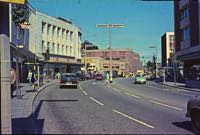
155, 60
109, 26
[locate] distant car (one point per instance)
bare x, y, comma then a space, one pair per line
140, 79
99, 77
193, 111
81, 76
68, 79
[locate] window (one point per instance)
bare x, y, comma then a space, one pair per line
58, 49
53, 48
70, 51
58, 31
48, 29
48, 46
67, 34
66, 50
54, 29
186, 34
43, 27
62, 49
63, 31
71, 36
43, 46
185, 13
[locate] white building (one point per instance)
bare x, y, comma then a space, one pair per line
61, 37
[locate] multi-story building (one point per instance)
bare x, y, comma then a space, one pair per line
127, 56
187, 35
168, 47
19, 47
61, 37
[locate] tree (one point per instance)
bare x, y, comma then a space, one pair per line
149, 64
20, 13
46, 58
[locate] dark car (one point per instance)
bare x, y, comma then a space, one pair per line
193, 111
81, 76
99, 77
68, 79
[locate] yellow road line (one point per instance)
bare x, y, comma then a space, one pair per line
132, 95
177, 108
129, 117
96, 101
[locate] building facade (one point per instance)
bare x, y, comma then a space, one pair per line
19, 47
131, 60
168, 47
61, 37
187, 32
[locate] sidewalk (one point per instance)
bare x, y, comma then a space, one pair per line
21, 109
179, 85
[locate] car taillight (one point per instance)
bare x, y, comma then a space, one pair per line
61, 81
76, 81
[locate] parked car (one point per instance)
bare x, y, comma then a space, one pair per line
139, 78
68, 79
193, 111
99, 77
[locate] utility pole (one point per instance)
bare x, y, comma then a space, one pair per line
109, 26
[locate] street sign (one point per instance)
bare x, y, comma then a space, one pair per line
24, 25
14, 1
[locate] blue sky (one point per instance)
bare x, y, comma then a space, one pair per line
145, 22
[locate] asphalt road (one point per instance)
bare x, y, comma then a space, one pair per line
118, 108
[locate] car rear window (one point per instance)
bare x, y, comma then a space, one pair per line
67, 76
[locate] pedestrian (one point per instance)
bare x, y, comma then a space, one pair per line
59, 75
32, 78
12, 81
29, 76
107, 77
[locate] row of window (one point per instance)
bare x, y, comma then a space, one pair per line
56, 31
186, 33
57, 49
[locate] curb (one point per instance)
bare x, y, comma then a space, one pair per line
39, 91
180, 87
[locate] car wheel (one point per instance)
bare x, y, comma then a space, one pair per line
195, 117
60, 86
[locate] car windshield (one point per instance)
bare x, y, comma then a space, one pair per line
139, 75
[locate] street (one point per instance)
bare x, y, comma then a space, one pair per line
118, 108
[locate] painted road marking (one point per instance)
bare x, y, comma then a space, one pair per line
177, 108
132, 95
186, 94
84, 92
96, 101
129, 117
108, 85
80, 87
93, 83
116, 89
